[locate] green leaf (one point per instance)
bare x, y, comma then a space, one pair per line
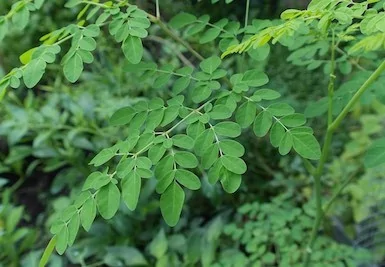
73, 228
306, 145
181, 20
262, 123
39, 3
375, 155
62, 240
165, 181
131, 185
133, 49
293, 120
170, 114
227, 128
96, 180
267, 94
255, 78
155, 153
73, 68
87, 43
171, 203
188, 179
220, 112
158, 245
209, 35
203, 141
183, 141
246, 114
186, 159
33, 72
164, 166
230, 181
108, 200
280, 109
122, 116
103, 156
88, 213
231, 148
276, 134
91, 30
210, 64
234, 164
285, 144
124, 167
210, 155
215, 172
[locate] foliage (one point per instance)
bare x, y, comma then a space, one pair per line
187, 134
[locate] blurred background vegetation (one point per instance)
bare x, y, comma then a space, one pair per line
49, 134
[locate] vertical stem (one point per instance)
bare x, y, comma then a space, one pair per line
332, 78
157, 9
246, 22
247, 12
325, 151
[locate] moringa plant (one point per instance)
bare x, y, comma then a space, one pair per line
194, 128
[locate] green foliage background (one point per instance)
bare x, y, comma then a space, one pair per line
63, 115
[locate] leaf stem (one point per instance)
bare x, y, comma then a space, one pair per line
325, 151
157, 9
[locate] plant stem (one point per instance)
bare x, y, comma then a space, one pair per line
157, 9
331, 81
357, 96
247, 12
325, 151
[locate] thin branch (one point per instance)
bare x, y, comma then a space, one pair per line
325, 151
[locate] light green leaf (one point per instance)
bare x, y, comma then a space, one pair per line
376, 154
209, 35
158, 245
181, 20
210, 155
227, 128
87, 43
276, 134
96, 180
103, 156
232, 148
171, 203
186, 159
62, 240
230, 181
267, 94
306, 145
122, 116
108, 200
255, 78
183, 141
285, 144
210, 64
155, 153
33, 72
220, 112
73, 68
293, 120
73, 228
262, 123
131, 185
133, 49
246, 114
165, 181
188, 179
280, 109
88, 213
234, 164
